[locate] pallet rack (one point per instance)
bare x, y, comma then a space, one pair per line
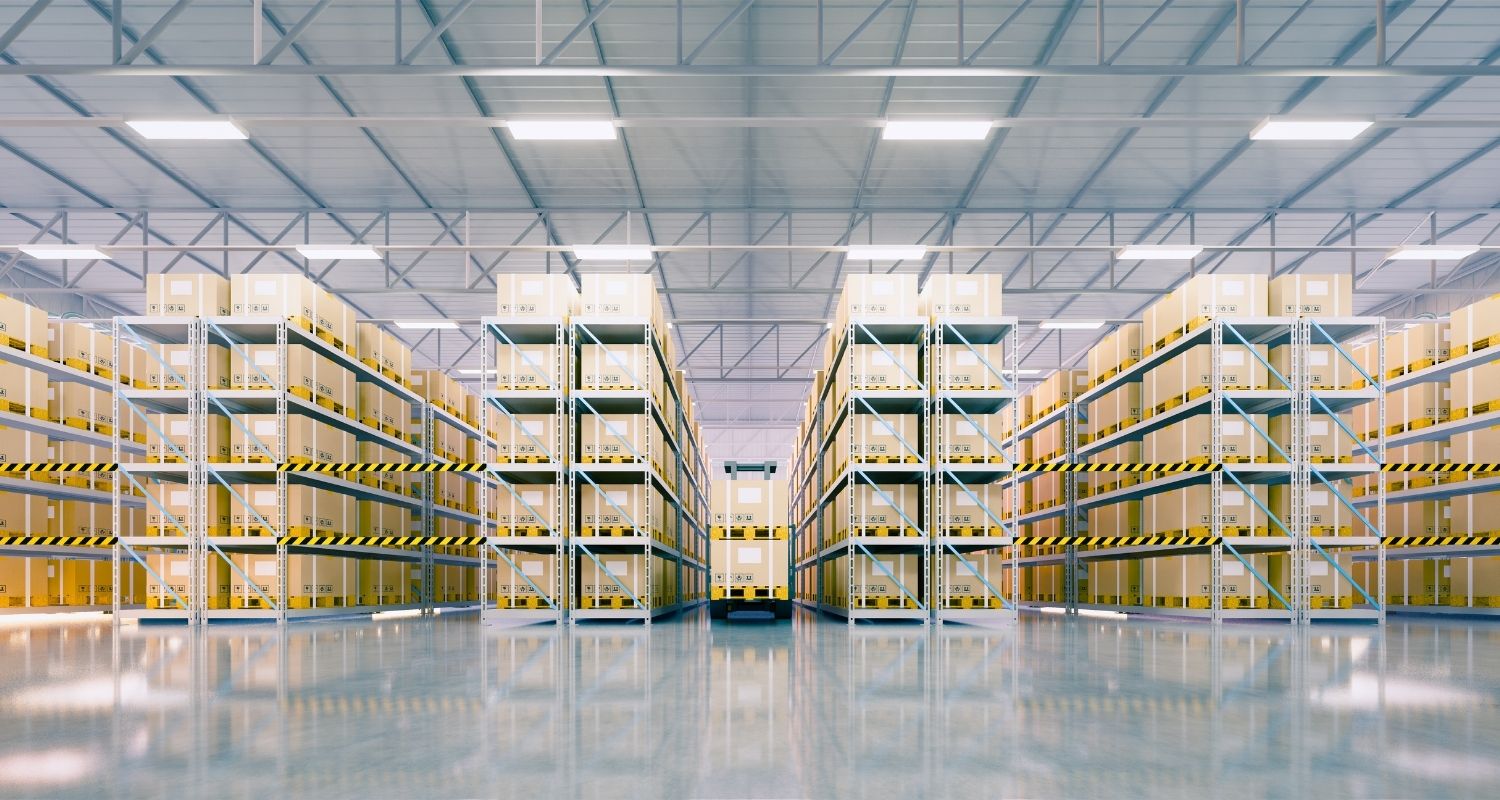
1297, 470
547, 598
834, 486
973, 592
665, 477
192, 467
1071, 416
63, 489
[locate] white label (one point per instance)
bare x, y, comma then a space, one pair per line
532, 498
964, 427
263, 498
747, 555
881, 358
264, 427
964, 499
1317, 427
1317, 288
616, 287
1447, 570
1317, 568
882, 288
878, 499
416, 572
618, 358
177, 497
178, 567
1233, 288
1447, 512
264, 357
966, 288
1234, 357
1317, 498
177, 358
530, 568
618, 568
1234, 427
264, 287
1317, 358
881, 427
967, 358
532, 288
748, 494
619, 498
265, 567
178, 427
535, 427
178, 288
1233, 569
1233, 497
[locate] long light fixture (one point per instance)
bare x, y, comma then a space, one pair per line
1071, 324
936, 130
1159, 252
339, 252
187, 129
1309, 130
562, 130
1431, 252
885, 252
612, 252
427, 324
58, 252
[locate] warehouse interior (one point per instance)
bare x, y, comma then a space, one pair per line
738, 398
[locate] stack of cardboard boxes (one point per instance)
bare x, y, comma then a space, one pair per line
749, 539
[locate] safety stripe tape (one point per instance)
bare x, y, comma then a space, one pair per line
1114, 541
58, 541
382, 541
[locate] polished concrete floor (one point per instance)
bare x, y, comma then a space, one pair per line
814, 708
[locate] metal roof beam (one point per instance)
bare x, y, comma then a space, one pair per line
154, 32
713, 35
290, 37
22, 23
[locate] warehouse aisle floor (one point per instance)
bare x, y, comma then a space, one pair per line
447, 708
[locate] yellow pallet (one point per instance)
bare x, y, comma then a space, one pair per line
749, 532
509, 459
881, 602
521, 602
335, 407
300, 391
607, 602
1330, 530
1479, 602
886, 530
1475, 346
973, 530
523, 530
611, 530
749, 592
995, 459
972, 602
1118, 599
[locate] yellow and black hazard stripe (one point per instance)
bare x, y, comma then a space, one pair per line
58, 541
1454, 467
1113, 541
1434, 541
53, 466
1054, 466
381, 541
382, 467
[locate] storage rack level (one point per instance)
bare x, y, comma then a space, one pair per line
67, 487
533, 386
963, 588
1294, 469
852, 490
191, 467
659, 473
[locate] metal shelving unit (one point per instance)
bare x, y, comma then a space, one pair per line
835, 487
970, 593
664, 477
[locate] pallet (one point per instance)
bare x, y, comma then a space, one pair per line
608, 602
1475, 410
531, 603
972, 531
881, 602
1479, 602
952, 459
972, 602
748, 532
505, 458
1474, 346
1181, 399
889, 531
749, 592
612, 530
587, 459
522, 530
906, 459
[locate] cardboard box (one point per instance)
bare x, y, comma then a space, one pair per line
884, 367
539, 296
25, 514
292, 297
976, 506
880, 509
1114, 582
1191, 439
23, 327
1474, 391
529, 506
971, 438
1187, 582
532, 581
1476, 327
78, 518
896, 577
87, 582
19, 446
1326, 514
187, 295
1417, 346
257, 438
1187, 512
334, 321
168, 436
380, 519
619, 505
749, 564
311, 581
81, 347
24, 582
80, 406
23, 391
1326, 441
176, 569
530, 366
966, 367
616, 366
168, 506
748, 503
1324, 365
1302, 295
877, 296
624, 575
962, 295
388, 582
170, 366
1199, 299
1117, 350
382, 410
1116, 519
1475, 582
309, 510
1325, 587
886, 437
1425, 404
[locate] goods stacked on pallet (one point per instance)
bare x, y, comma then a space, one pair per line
1051, 431
1443, 379
601, 487
56, 381
247, 375
749, 548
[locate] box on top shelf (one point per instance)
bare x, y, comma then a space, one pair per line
748, 504
972, 367
1476, 327
529, 366
866, 296
334, 321
1475, 390
621, 295
1056, 390
1118, 350
293, 297
187, 294
80, 346
23, 327
23, 391
1326, 368
1199, 299
890, 367
380, 350
1417, 347
961, 296
535, 295
1312, 296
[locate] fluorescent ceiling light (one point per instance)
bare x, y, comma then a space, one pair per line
612, 252
563, 130
936, 130
339, 252
1309, 130
886, 252
1432, 252
1071, 324
54, 252
427, 324
194, 129
1159, 252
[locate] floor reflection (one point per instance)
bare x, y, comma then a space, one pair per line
451, 708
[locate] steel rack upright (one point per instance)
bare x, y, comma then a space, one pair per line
529, 461
644, 390
1070, 416
978, 531
862, 482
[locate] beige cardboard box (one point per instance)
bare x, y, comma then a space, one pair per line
1187, 581
962, 295
78, 518
885, 367
885, 437
1475, 390
334, 320
1304, 295
1474, 326
25, 514
1192, 439
1326, 514
747, 564
1115, 411
976, 506
1425, 404
613, 505
880, 508
258, 366
537, 296
976, 576
1326, 441
608, 437
1477, 579
1118, 349
1216, 295
24, 582
307, 440
616, 366
1417, 346
19, 446
1325, 366
622, 577
23, 391
529, 366
620, 295
168, 506
308, 510
24, 327
382, 410
754, 503
533, 437
187, 295
87, 582
877, 296
291, 296
1058, 388
1188, 509
388, 582
976, 437
528, 506
311, 581
170, 366
1114, 582
1116, 519
1417, 582
1326, 588
887, 580
1127, 453
979, 366
380, 519
79, 406
81, 347
532, 580
168, 435
176, 570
